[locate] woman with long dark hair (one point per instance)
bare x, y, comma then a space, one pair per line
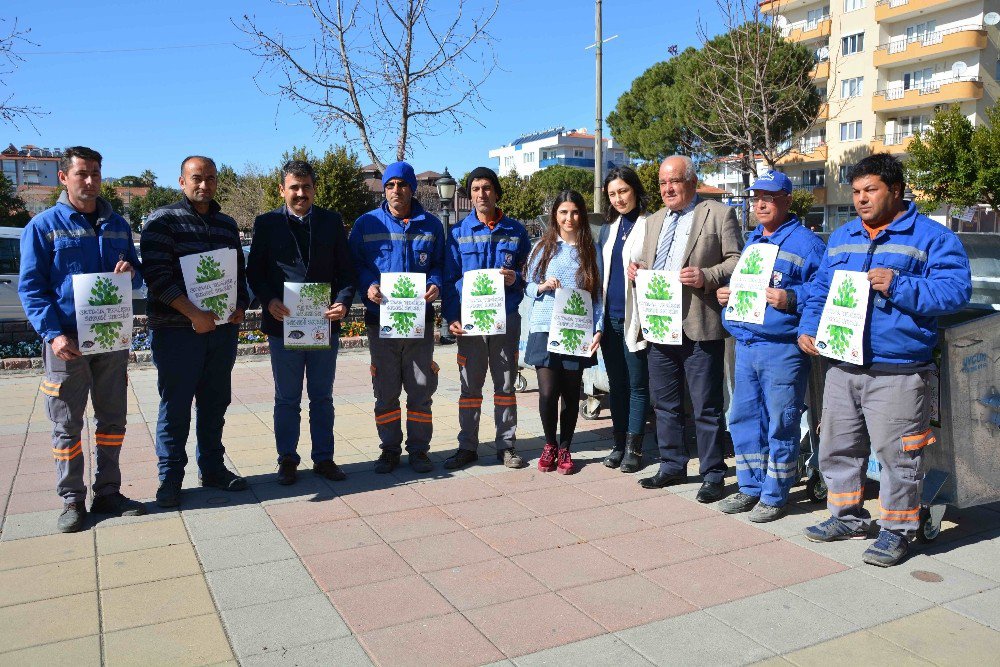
622, 344
565, 257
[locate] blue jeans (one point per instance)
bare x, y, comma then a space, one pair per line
628, 379
192, 367
767, 405
319, 368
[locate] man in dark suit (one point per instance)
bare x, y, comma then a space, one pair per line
701, 239
301, 243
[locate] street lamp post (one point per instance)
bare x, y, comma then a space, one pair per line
446, 191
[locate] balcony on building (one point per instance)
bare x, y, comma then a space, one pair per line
806, 151
810, 31
818, 192
821, 71
890, 11
785, 6
944, 91
895, 143
936, 44
824, 112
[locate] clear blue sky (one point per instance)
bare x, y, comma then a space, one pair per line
147, 83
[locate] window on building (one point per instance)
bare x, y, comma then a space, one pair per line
814, 16
853, 87
852, 43
907, 126
920, 31
843, 177
10, 170
31, 178
918, 78
529, 157
813, 177
508, 161
577, 152
32, 165
813, 139
850, 131
851, 5
843, 214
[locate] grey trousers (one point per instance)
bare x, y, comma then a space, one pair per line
499, 353
66, 387
398, 364
893, 413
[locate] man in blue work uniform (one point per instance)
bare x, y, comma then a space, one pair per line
771, 372
918, 270
80, 234
486, 239
400, 236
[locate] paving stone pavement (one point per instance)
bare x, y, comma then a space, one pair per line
475, 567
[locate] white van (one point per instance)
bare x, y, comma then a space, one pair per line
10, 268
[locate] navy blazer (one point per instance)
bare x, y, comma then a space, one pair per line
275, 258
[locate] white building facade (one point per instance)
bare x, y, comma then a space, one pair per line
573, 148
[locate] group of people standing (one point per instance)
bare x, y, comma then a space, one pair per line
916, 267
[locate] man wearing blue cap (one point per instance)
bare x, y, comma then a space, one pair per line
771, 371
400, 236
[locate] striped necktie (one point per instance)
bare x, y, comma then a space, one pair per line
666, 242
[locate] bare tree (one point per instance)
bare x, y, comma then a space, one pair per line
242, 194
751, 89
10, 38
392, 74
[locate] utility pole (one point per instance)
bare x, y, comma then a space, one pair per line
598, 141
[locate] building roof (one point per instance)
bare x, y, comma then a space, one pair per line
544, 134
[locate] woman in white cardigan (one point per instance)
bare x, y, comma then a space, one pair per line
622, 345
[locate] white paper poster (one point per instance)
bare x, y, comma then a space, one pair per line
751, 278
841, 332
571, 330
306, 328
658, 297
103, 304
402, 313
210, 281
484, 311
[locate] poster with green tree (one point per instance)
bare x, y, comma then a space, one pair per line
658, 297
749, 283
571, 330
306, 328
843, 323
210, 281
103, 305
403, 309
484, 311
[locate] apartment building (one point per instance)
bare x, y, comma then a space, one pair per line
885, 67
31, 165
536, 151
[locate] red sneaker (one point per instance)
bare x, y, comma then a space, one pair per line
565, 463
547, 462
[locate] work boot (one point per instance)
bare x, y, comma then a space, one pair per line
632, 462
510, 458
421, 463
169, 494
614, 459
738, 502
764, 513
547, 461
71, 519
224, 479
287, 470
387, 462
329, 470
460, 459
116, 504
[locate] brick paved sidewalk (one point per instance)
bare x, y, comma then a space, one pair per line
476, 567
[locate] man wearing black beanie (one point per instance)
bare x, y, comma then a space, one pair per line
486, 239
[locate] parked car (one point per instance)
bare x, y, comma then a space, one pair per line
10, 267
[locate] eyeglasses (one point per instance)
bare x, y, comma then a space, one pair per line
767, 199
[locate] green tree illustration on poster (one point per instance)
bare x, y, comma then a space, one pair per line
105, 293
572, 339
208, 270
314, 297
404, 289
484, 318
839, 338
658, 289
846, 296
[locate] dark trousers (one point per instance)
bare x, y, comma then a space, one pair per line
192, 367
628, 379
698, 367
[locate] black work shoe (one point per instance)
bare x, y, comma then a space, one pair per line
511, 458
460, 459
632, 461
421, 463
72, 517
225, 479
116, 504
710, 492
287, 470
738, 502
387, 462
169, 494
329, 470
661, 480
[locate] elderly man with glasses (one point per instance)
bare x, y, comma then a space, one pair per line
771, 371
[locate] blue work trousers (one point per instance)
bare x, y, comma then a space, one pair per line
192, 367
319, 368
628, 378
767, 405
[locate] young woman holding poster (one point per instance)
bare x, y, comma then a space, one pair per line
565, 257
